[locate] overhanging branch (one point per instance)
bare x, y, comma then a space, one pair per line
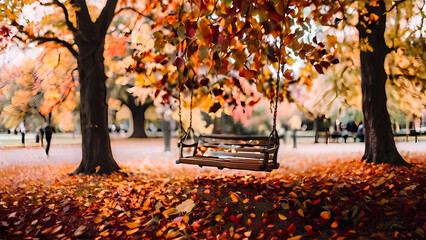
31, 37
66, 44
394, 6
128, 9
70, 25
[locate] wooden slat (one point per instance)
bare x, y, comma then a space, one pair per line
236, 154
234, 142
234, 147
235, 137
215, 162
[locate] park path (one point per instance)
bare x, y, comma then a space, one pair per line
151, 152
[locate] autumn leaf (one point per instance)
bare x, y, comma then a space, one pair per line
132, 231
134, 224
80, 230
234, 197
186, 206
325, 214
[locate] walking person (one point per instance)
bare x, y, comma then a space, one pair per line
22, 130
48, 131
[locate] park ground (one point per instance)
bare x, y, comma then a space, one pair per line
319, 192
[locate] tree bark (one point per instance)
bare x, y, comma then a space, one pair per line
96, 146
379, 142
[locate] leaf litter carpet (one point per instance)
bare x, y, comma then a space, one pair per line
335, 199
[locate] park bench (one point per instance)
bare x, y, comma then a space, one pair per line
255, 153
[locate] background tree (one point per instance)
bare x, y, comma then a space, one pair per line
37, 87
379, 144
81, 28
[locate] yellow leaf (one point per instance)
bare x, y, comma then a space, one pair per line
218, 217
290, 61
131, 231
104, 233
57, 229
282, 217
379, 182
293, 194
169, 212
334, 224
97, 168
134, 224
300, 212
80, 230
325, 214
233, 196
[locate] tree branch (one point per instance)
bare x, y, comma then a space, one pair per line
106, 16
126, 9
395, 5
64, 9
66, 44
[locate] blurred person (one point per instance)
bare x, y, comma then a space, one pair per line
22, 130
48, 130
360, 132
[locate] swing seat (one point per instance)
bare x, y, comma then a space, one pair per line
231, 151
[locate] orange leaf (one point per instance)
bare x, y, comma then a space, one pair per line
131, 231
335, 224
133, 224
295, 237
300, 212
233, 196
325, 214
293, 194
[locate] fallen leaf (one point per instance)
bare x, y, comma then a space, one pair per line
131, 231
80, 230
186, 206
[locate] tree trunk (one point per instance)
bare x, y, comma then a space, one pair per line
379, 142
97, 154
90, 39
138, 114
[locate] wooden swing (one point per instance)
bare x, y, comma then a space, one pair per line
256, 153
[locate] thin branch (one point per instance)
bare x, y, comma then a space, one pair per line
394, 6
64, 9
66, 44
128, 9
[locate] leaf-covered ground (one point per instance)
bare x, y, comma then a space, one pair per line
335, 200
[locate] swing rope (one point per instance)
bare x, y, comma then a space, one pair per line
182, 131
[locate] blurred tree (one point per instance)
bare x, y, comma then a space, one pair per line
39, 86
80, 27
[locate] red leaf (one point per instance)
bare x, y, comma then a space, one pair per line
291, 229
247, 74
179, 62
325, 64
190, 29
318, 68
